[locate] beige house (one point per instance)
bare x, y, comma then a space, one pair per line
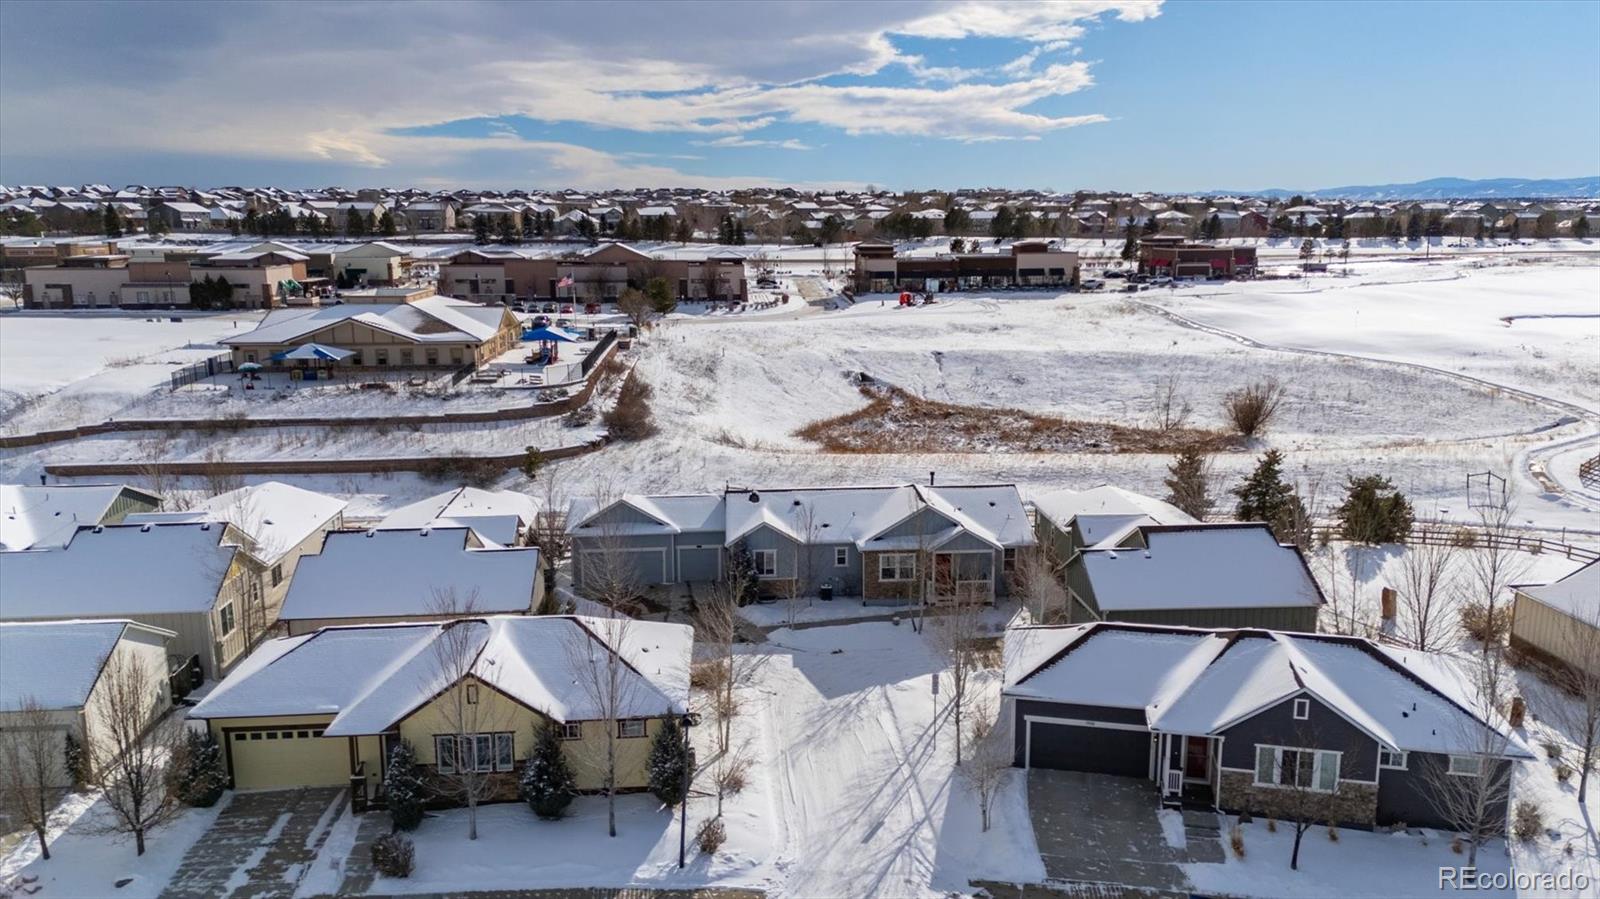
409, 329
1556, 623
194, 579
378, 262
61, 668
324, 709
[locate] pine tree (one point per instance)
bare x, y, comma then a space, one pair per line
528, 222
77, 761
1414, 228
195, 774
233, 227
386, 225
505, 231
369, 224
404, 790
547, 784
1002, 223
1130, 244
1374, 512
480, 229
1580, 228
252, 222
669, 761
738, 233
113, 222
1188, 486
1265, 496
683, 233
353, 225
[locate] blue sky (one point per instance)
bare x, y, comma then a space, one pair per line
1118, 94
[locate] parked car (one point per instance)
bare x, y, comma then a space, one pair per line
563, 322
566, 309
1116, 273
548, 307
541, 321
1091, 284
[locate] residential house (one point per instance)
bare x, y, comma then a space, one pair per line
1558, 624
410, 574
194, 579
1229, 719
46, 517
1201, 575
428, 216
882, 544
1069, 521
377, 262
504, 517
182, 216
324, 709
416, 329
68, 670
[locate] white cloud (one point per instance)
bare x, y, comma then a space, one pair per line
734, 140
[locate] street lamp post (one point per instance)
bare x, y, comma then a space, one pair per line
690, 719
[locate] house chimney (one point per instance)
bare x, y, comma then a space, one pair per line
1518, 709
930, 479
1388, 600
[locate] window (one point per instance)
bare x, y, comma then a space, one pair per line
1008, 560
225, 620
474, 752
897, 567
766, 561
483, 752
444, 754
504, 757
572, 730
1302, 709
1281, 766
1466, 765
841, 556
631, 727
277, 574
1387, 759
472, 694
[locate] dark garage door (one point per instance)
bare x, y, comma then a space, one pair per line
647, 566
698, 563
1100, 750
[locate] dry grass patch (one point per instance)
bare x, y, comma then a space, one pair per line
898, 422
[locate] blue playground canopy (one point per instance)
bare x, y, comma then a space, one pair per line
549, 335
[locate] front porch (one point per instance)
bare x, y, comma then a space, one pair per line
1189, 771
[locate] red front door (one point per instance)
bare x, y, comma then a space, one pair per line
1197, 758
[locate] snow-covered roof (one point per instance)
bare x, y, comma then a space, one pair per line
1577, 594
56, 663
1062, 506
127, 569
372, 676
274, 515
1198, 681
408, 573
1200, 566
670, 514
494, 514
418, 321
46, 517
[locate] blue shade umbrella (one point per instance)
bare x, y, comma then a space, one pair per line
249, 366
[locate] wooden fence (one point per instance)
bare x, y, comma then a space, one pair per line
1466, 537
1589, 472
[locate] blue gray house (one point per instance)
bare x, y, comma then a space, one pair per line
1232, 719
882, 544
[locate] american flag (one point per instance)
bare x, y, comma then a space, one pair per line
565, 282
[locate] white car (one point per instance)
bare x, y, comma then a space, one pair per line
1091, 284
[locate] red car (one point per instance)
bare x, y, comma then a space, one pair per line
566, 310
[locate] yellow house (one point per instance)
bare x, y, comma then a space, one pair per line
323, 709
1556, 623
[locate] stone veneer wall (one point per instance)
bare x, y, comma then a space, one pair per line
1350, 805
872, 588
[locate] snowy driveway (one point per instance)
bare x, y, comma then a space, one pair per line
864, 754
260, 846
1101, 829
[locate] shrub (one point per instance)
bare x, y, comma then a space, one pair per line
578, 417
195, 773
1272, 825
1236, 840
631, 418
547, 784
404, 790
731, 779
711, 835
1563, 773
669, 762
1552, 749
393, 855
1251, 408
1456, 845
1527, 821
1333, 832
1374, 512
1483, 626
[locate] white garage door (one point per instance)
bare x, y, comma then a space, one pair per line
277, 758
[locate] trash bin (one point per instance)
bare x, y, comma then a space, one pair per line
825, 593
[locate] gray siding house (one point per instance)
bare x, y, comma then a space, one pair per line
1230, 719
882, 544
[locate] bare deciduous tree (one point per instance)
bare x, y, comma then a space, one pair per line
1474, 801
32, 767
1577, 715
549, 529
471, 716
716, 628
1300, 780
1495, 563
1170, 406
798, 587
956, 634
990, 762
1037, 585
1429, 618
127, 763
609, 684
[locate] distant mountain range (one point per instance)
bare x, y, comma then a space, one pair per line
1451, 189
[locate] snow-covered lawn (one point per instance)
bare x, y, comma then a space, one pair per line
85, 861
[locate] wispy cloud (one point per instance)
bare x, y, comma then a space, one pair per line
734, 140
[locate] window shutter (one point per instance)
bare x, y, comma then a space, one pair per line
1265, 759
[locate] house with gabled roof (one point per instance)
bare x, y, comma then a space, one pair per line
1229, 718
419, 330
45, 517
1556, 624
882, 544
324, 709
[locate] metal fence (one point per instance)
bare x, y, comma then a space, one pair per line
599, 351
199, 371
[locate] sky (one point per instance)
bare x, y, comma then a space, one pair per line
1080, 94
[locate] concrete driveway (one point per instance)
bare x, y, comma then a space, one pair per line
259, 847
1100, 829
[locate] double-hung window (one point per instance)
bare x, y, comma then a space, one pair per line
766, 562
225, 620
1387, 759
484, 753
897, 567
841, 556
1285, 766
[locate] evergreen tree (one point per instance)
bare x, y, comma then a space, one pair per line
113, 222
1151, 226
1022, 225
1265, 496
233, 227
195, 773
669, 762
155, 223
1580, 228
76, 760
369, 224
1374, 512
252, 222
353, 224
741, 569
738, 233
1130, 243
480, 229
958, 245
683, 233
1414, 228
1002, 223
386, 225
957, 221
404, 790
528, 222
505, 230
1188, 486
659, 290
725, 230
547, 784
1478, 234
1516, 228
